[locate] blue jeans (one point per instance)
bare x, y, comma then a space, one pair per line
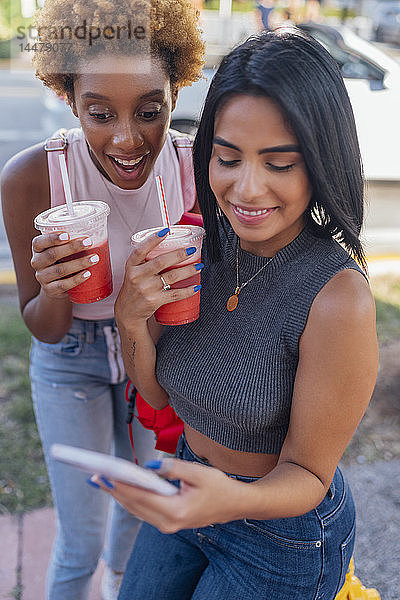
298, 558
78, 390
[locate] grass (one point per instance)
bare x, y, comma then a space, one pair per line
387, 298
23, 479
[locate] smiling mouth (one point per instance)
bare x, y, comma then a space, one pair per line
128, 165
263, 212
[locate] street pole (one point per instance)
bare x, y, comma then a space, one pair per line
225, 9
28, 8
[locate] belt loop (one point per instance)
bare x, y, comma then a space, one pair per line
331, 491
90, 331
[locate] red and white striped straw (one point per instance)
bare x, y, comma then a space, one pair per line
161, 199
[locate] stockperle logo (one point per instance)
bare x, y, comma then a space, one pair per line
84, 32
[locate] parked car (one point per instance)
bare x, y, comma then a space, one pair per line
373, 82
386, 22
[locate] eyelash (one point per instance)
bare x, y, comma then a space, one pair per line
100, 116
233, 163
154, 114
105, 117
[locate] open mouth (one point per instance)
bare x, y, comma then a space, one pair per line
129, 168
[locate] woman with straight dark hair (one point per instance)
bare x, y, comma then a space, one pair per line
273, 378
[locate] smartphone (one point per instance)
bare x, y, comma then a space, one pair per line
112, 467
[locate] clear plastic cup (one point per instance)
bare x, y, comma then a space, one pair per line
181, 236
90, 219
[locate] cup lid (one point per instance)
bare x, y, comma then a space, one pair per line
84, 211
191, 233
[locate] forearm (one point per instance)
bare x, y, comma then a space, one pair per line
48, 319
288, 490
139, 354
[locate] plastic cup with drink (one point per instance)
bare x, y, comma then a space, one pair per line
184, 311
82, 219
89, 219
180, 236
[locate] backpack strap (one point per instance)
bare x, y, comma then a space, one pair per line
55, 146
183, 143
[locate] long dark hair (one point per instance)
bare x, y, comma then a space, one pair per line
301, 76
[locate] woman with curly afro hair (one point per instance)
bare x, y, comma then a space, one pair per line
120, 65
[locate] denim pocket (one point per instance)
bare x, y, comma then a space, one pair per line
278, 532
346, 552
70, 345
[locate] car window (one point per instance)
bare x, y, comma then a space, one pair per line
351, 64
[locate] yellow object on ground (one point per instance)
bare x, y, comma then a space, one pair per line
354, 590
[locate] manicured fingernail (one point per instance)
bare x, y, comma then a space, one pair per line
95, 258
87, 242
197, 288
106, 482
153, 464
63, 237
86, 274
163, 232
190, 251
92, 483
199, 267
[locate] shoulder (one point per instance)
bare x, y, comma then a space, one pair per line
31, 162
179, 139
345, 301
26, 171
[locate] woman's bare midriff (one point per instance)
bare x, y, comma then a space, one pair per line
249, 464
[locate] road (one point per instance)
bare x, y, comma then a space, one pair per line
29, 115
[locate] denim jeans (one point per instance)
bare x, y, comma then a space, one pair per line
78, 389
298, 558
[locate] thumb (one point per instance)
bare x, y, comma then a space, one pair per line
174, 468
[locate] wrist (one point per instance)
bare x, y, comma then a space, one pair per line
240, 501
132, 329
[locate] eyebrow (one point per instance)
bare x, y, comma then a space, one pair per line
94, 96
284, 148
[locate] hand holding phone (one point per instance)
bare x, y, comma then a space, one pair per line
112, 467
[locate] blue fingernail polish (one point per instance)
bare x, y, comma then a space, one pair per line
107, 483
190, 251
93, 483
197, 288
199, 267
163, 232
153, 464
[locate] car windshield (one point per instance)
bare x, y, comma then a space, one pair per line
352, 64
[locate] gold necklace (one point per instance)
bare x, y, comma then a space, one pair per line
233, 301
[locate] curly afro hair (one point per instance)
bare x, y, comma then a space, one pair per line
72, 31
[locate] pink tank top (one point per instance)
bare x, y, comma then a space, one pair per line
131, 210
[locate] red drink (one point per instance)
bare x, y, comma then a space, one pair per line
182, 311
181, 236
89, 218
99, 285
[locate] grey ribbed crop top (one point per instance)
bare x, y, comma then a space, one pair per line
230, 375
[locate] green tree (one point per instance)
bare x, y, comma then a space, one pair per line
10, 18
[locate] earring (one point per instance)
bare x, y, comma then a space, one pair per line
219, 212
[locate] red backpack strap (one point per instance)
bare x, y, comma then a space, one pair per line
165, 423
55, 146
184, 148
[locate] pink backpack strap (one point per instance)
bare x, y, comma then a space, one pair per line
55, 146
184, 148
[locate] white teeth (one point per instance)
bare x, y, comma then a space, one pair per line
128, 163
252, 213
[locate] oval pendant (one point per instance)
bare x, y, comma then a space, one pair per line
232, 302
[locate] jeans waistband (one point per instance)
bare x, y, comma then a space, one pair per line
89, 330
334, 497
184, 452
